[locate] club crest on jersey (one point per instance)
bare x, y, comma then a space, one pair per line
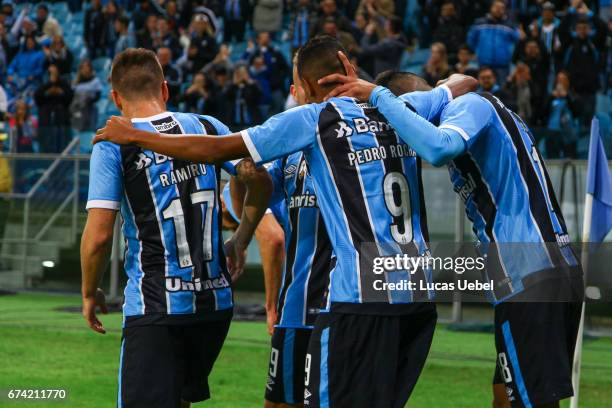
344, 130
143, 161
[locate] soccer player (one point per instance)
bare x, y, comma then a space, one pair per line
178, 298
373, 337
496, 168
306, 276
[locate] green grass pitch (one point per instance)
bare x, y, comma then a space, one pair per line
44, 348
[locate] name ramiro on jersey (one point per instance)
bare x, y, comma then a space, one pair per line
370, 154
182, 174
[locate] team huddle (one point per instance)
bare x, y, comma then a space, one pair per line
342, 175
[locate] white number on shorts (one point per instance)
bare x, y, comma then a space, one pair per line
307, 368
505, 370
273, 362
399, 210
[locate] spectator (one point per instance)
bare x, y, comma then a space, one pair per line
268, 16
46, 26
493, 39
465, 64
59, 55
260, 73
222, 59
532, 34
539, 67
173, 17
146, 35
561, 111
141, 13
329, 8
164, 37
243, 95
53, 101
8, 13
374, 8
584, 64
330, 28
449, 30
94, 26
111, 13
548, 27
221, 77
578, 12
86, 91
302, 22
488, 83
276, 69
387, 52
200, 97
28, 65
125, 39
172, 74
23, 128
203, 38
519, 92
437, 66
236, 13
5, 52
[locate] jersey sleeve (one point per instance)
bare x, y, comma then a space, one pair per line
467, 116
430, 104
222, 129
435, 145
285, 133
275, 170
105, 177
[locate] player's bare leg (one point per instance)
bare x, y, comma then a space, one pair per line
185, 404
270, 404
500, 399
271, 239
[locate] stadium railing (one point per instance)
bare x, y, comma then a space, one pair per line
40, 215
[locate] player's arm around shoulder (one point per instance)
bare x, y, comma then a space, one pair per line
192, 147
258, 186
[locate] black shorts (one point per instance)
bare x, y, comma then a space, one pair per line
286, 371
367, 360
161, 365
535, 344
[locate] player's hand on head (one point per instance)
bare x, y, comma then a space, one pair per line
349, 84
235, 253
116, 130
90, 304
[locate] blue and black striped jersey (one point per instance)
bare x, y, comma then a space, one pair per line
170, 208
309, 251
368, 187
508, 195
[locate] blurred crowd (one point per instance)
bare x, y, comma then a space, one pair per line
232, 59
